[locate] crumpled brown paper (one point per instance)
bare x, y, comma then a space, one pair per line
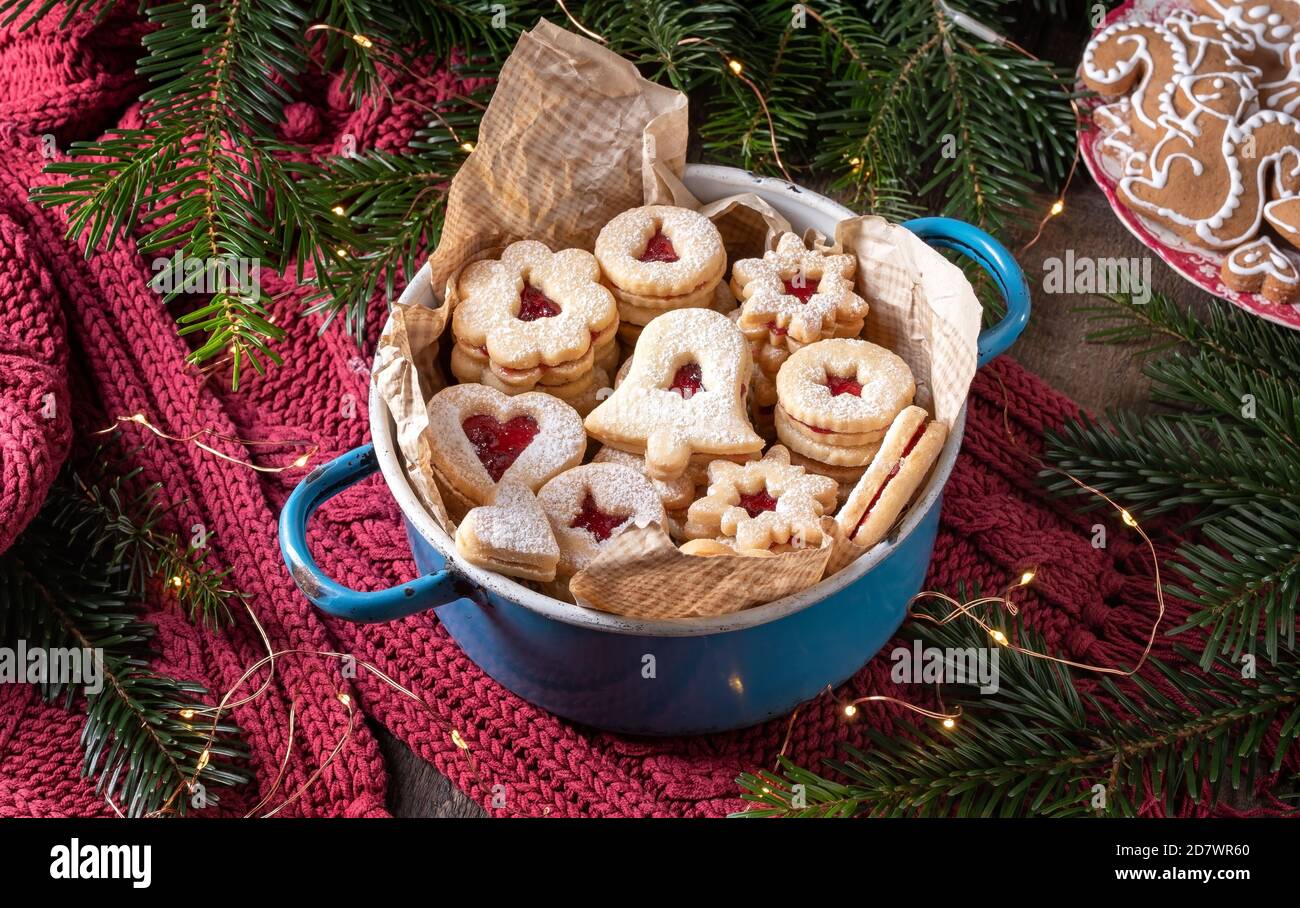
644, 568
572, 137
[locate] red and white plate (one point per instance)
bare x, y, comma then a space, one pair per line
1199, 266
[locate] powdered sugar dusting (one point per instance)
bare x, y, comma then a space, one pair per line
696, 241
488, 314
886, 380
713, 420
560, 441
765, 286
617, 489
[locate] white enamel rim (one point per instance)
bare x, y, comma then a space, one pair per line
803, 208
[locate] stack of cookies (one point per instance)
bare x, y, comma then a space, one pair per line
835, 401
792, 297
658, 259
536, 320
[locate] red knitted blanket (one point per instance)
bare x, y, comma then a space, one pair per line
91, 333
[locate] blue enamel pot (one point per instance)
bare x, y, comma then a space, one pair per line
660, 677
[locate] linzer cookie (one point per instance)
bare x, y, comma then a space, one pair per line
684, 395
534, 320
482, 437
591, 504
794, 296
658, 259
762, 505
676, 494
909, 450
510, 536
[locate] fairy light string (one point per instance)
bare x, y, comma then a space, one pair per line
197, 439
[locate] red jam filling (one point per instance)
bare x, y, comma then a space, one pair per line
659, 249
598, 523
804, 293
756, 503
499, 444
777, 329
893, 471
688, 380
842, 385
534, 304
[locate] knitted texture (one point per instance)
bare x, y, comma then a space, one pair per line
95, 327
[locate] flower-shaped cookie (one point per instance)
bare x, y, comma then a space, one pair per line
684, 394
591, 504
533, 306
481, 437
763, 504
797, 291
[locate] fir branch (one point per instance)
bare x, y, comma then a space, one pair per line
676, 40
127, 530
1228, 452
1039, 746
62, 585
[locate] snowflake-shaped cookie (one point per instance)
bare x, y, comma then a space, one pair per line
532, 306
764, 503
797, 291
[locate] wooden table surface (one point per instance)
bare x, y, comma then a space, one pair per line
1099, 377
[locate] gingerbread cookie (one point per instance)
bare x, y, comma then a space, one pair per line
797, 292
910, 448
533, 307
1260, 267
589, 505
661, 251
481, 437
684, 395
762, 504
510, 536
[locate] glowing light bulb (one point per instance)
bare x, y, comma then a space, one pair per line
1000, 637
1057, 207
344, 699
949, 723
363, 41
1026, 577
735, 67
467, 147
177, 582
458, 740
850, 710
301, 460
187, 713
1127, 518
338, 209
204, 759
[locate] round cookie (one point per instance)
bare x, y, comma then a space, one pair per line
660, 251
844, 385
589, 505
909, 450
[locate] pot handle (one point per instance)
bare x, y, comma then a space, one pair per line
331, 597
993, 257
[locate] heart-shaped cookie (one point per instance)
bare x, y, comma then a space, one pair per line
481, 438
510, 536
